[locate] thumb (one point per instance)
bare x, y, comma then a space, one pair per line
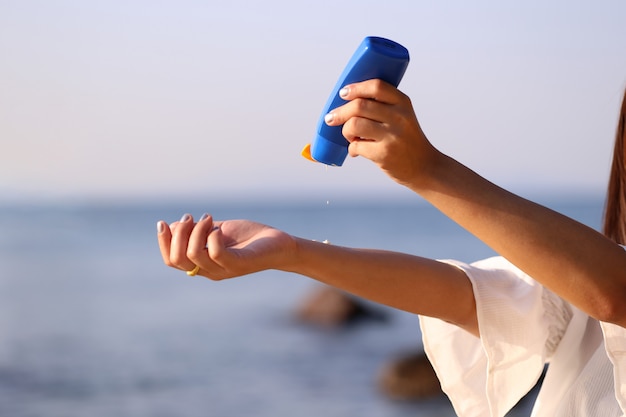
360, 147
216, 247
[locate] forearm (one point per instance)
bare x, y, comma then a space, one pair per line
410, 283
567, 257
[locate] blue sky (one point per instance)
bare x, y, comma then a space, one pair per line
163, 99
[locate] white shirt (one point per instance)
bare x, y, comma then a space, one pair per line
523, 326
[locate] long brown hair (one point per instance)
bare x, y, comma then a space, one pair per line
615, 207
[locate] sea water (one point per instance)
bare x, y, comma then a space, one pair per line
93, 324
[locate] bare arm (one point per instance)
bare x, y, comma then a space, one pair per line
576, 262
569, 258
411, 283
239, 247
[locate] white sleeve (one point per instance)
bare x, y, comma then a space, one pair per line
615, 344
520, 324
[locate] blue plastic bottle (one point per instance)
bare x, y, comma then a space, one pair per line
374, 58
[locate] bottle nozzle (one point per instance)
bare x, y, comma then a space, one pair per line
306, 152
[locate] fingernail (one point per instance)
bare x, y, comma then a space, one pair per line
185, 218
329, 118
344, 92
160, 227
204, 217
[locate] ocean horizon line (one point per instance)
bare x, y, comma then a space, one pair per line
259, 198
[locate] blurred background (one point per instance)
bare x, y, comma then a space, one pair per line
114, 115
135, 99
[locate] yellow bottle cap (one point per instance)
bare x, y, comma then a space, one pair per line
306, 152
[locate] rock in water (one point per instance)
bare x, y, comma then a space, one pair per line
330, 307
410, 377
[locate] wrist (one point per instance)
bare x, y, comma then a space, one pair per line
430, 172
301, 260
293, 259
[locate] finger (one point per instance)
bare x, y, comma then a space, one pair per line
374, 89
197, 250
359, 108
359, 128
164, 236
371, 99
217, 248
178, 246
361, 148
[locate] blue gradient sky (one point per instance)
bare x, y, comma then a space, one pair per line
134, 99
